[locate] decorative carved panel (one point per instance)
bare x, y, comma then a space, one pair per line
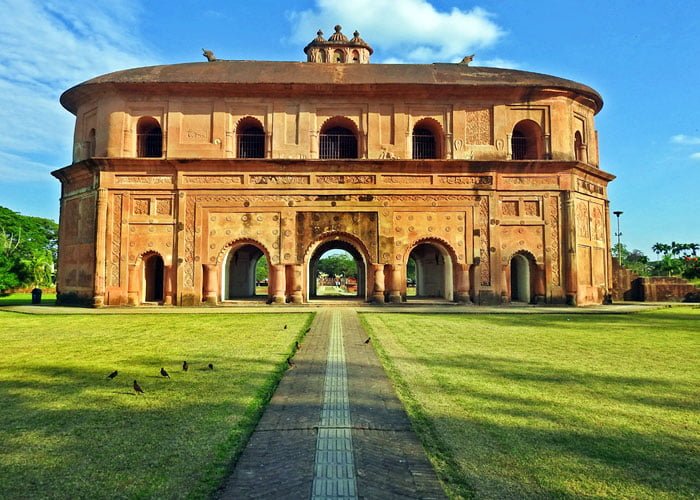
141, 206
448, 227
213, 179
279, 179
478, 126
345, 179
115, 266
510, 208
583, 227
553, 249
164, 206
465, 180
485, 256
311, 226
139, 179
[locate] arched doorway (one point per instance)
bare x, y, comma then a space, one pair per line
433, 271
346, 278
427, 140
245, 273
250, 137
338, 139
520, 279
149, 138
526, 141
153, 275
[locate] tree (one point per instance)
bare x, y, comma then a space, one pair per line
677, 259
28, 249
261, 270
338, 264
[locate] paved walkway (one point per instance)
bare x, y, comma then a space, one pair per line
334, 428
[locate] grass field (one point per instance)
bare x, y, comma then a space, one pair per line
23, 299
68, 432
552, 405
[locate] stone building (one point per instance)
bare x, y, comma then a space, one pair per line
184, 175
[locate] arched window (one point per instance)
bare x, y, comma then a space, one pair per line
149, 138
355, 56
338, 140
324, 58
579, 148
91, 143
526, 141
251, 139
153, 278
339, 56
427, 135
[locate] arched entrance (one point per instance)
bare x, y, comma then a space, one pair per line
344, 281
433, 271
520, 279
153, 276
245, 273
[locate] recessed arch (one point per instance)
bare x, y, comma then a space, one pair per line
522, 272
149, 138
250, 138
356, 56
153, 277
238, 260
338, 139
527, 141
338, 56
91, 143
435, 266
579, 147
428, 138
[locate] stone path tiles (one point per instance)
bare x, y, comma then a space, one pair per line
305, 437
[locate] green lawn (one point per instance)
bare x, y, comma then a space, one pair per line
25, 299
68, 432
552, 405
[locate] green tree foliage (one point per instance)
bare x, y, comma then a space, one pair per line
634, 260
261, 270
677, 259
28, 249
338, 264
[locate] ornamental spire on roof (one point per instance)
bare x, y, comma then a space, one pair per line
338, 49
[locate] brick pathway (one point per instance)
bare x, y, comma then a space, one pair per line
334, 428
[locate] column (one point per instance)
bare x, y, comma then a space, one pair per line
168, 285
211, 283
100, 244
134, 285
505, 289
571, 261
277, 283
463, 285
539, 297
294, 283
394, 283
378, 293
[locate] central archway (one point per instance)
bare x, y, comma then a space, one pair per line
323, 286
520, 279
154, 278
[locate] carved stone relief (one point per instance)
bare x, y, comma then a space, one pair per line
478, 126
137, 179
553, 249
141, 206
407, 179
345, 179
116, 239
310, 226
164, 206
583, 227
213, 179
448, 227
279, 179
485, 257
531, 181
466, 180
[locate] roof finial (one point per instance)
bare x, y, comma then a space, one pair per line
338, 28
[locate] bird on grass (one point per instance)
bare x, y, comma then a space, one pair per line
113, 374
308, 330
210, 366
290, 363
368, 340
185, 366
164, 373
137, 388
285, 327
297, 346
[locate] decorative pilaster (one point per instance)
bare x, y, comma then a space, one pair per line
211, 284
134, 285
277, 283
378, 293
394, 283
571, 270
100, 249
463, 285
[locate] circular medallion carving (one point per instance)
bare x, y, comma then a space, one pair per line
287, 232
290, 204
275, 232
228, 232
333, 203
275, 246
259, 218
212, 246
275, 218
287, 256
411, 228
246, 203
244, 218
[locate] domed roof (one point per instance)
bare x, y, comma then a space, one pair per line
338, 35
338, 39
259, 77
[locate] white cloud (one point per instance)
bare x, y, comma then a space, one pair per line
49, 46
695, 156
409, 30
685, 139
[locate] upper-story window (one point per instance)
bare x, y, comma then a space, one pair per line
339, 56
579, 147
355, 56
427, 135
91, 143
338, 140
526, 141
251, 139
149, 138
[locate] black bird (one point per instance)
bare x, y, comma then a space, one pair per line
285, 327
308, 330
211, 367
290, 363
113, 374
137, 388
298, 346
368, 339
185, 366
164, 373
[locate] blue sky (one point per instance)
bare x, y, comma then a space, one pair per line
641, 56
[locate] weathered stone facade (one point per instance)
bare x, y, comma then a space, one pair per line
486, 227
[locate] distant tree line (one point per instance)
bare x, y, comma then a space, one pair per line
674, 259
28, 250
